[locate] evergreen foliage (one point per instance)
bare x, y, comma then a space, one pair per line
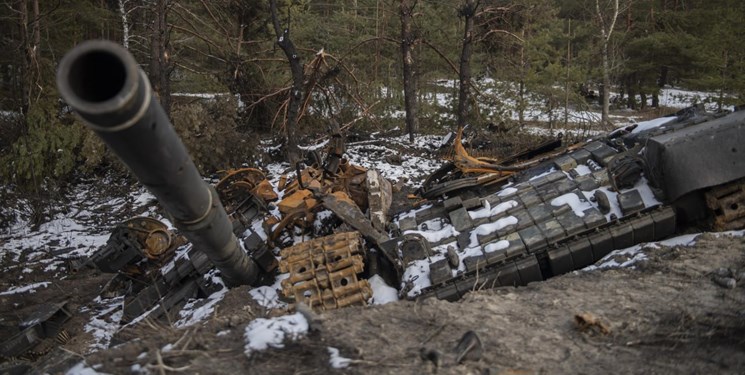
528, 50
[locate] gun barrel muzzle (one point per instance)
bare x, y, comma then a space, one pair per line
102, 82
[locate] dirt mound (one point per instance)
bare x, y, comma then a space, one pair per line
666, 315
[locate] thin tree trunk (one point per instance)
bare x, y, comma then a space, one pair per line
25, 61
160, 66
296, 92
569, 66
606, 33
467, 11
125, 24
409, 68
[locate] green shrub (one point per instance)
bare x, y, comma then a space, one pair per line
208, 129
47, 148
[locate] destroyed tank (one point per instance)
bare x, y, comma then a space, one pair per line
568, 211
495, 223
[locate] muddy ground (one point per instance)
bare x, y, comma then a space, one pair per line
666, 315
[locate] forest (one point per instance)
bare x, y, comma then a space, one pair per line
231, 72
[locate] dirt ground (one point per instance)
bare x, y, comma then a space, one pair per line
667, 315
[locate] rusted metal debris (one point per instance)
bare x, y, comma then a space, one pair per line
135, 240
323, 272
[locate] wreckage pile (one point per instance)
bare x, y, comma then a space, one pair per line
325, 228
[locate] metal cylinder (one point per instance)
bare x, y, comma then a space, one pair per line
102, 82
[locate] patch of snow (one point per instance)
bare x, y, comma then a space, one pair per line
382, 292
434, 236
432, 224
488, 211
546, 173
507, 191
495, 246
629, 256
489, 228
684, 240
314, 147
582, 170
197, 310
651, 124
106, 323
31, 288
268, 296
413, 212
417, 274
82, 369
223, 333
262, 333
646, 192
571, 199
336, 360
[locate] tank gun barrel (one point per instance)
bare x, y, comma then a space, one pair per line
102, 82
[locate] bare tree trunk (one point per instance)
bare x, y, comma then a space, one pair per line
296, 92
569, 66
125, 24
467, 11
606, 31
30, 69
521, 102
410, 78
160, 65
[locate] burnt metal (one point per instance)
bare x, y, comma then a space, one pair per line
413, 247
624, 171
630, 202
727, 203
439, 272
44, 323
102, 82
603, 201
698, 156
323, 272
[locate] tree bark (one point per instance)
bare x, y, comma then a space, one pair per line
30, 42
160, 65
296, 91
125, 24
606, 31
467, 11
409, 67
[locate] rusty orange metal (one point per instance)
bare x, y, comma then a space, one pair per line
157, 241
323, 272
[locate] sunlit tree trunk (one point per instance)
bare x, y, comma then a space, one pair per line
125, 23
